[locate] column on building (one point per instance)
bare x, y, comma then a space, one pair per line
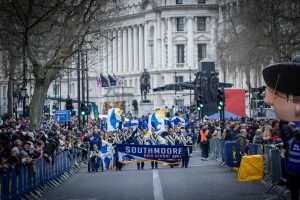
190, 43
135, 49
104, 56
141, 48
120, 52
115, 52
170, 44
125, 52
163, 45
109, 56
130, 50
146, 44
157, 50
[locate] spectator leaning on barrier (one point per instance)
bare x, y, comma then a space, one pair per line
242, 144
267, 136
258, 138
275, 132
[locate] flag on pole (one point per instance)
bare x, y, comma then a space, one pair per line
118, 81
95, 111
112, 81
157, 121
114, 119
104, 81
99, 81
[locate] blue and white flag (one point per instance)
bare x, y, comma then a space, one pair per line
176, 120
157, 121
114, 119
143, 124
107, 154
131, 123
168, 122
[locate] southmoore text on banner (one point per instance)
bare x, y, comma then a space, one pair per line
128, 153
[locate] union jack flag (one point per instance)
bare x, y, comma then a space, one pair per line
118, 81
99, 81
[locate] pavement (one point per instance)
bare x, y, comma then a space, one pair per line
202, 180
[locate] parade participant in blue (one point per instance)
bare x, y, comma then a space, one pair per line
153, 140
118, 139
172, 139
194, 136
186, 141
283, 93
139, 139
95, 139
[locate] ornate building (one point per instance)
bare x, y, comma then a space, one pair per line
168, 37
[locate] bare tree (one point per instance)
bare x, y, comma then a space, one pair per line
52, 32
257, 32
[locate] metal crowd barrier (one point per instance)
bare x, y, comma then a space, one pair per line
32, 185
224, 152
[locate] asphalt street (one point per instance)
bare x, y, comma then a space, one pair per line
202, 180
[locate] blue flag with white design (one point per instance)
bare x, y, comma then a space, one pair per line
114, 119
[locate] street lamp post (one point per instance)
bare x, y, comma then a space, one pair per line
24, 90
190, 71
87, 82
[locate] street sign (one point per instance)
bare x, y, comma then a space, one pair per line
62, 115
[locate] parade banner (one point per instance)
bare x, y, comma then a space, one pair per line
128, 153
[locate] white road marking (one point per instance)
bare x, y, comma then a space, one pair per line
157, 189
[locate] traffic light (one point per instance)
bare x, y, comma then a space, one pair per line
82, 109
54, 108
69, 104
220, 99
200, 102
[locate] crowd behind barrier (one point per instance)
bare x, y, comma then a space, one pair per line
224, 152
32, 162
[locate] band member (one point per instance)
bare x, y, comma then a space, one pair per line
139, 139
172, 139
118, 140
153, 140
186, 141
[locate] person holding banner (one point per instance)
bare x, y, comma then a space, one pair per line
153, 140
186, 141
172, 139
139, 139
118, 139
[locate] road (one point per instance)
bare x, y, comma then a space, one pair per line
202, 180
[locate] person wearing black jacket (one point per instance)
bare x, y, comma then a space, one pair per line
242, 144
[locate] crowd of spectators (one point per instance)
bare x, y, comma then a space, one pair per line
19, 146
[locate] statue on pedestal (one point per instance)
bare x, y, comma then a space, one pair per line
145, 85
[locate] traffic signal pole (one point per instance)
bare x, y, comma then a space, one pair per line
83, 84
78, 85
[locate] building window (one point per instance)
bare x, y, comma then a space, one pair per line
151, 46
201, 51
180, 23
178, 1
178, 79
201, 1
201, 26
180, 53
